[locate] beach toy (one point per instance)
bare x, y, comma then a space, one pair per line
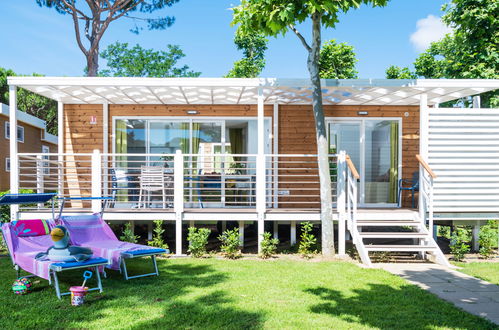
22, 286
78, 292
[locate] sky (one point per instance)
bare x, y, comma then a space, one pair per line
34, 39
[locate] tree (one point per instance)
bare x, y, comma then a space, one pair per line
123, 61
253, 47
396, 72
276, 17
92, 21
337, 61
470, 52
29, 102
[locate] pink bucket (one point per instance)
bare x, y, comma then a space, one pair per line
78, 295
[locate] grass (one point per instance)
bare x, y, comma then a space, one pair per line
487, 271
212, 293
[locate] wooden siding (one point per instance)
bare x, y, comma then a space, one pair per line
296, 131
32, 143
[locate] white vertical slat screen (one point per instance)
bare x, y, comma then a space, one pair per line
463, 150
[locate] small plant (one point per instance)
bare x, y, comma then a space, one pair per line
157, 237
128, 235
487, 240
230, 243
269, 246
459, 244
307, 240
198, 239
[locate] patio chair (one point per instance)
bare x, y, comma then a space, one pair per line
152, 179
93, 232
410, 185
26, 238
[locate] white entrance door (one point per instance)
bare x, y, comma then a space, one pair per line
374, 146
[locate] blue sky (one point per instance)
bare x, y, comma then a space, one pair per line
35, 39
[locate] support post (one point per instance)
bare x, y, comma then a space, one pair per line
293, 233
178, 199
14, 160
191, 223
476, 235
149, 230
96, 181
341, 200
105, 146
423, 150
260, 170
275, 151
276, 229
224, 226
241, 233
60, 148
39, 177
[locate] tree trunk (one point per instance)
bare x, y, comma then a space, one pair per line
93, 63
327, 226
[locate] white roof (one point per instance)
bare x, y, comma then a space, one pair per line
31, 120
121, 90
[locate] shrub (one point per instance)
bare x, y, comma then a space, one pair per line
487, 239
157, 237
459, 243
230, 243
128, 235
5, 209
307, 240
269, 246
198, 238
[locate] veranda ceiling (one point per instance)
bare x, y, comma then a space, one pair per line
117, 90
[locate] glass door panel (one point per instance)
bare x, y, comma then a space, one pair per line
381, 161
167, 137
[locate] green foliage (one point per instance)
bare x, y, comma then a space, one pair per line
396, 72
444, 231
269, 245
123, 61
337, 61
198, 239
459, 243
487, 239
307, 240
128, 234
5, 209
470, 52
230, 243
31, 103
157, 237
253, 47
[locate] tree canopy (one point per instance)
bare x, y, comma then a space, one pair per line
253, 47
396, 72
31, 103
337, 61
91, 18
125, 61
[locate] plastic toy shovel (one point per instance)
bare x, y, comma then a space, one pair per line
86, 275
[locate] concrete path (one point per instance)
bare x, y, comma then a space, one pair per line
466, 292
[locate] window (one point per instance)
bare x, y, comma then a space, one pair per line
20, 132
7, 164
46, 166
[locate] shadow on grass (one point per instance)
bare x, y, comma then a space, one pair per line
131, 304
385, 307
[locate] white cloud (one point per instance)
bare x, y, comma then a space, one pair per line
429, 29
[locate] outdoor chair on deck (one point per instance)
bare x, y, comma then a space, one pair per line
410, 185
153, 179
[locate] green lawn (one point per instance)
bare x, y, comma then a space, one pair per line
212, 293
487, 271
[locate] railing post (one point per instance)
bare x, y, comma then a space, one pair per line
96, 181
260, 196
178, 198
341, 199
14, 158
39, 177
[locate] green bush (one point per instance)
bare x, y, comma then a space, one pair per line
128, 235
459, 243
157, 237
307, 240
269, 246
230, 243
487, 239
198, 239
5, 209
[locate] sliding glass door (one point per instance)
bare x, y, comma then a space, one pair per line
373, 145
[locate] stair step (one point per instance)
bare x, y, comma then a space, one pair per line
367, 234
400, 248
388, 223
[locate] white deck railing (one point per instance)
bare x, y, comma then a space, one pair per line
426, 177
149, 181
